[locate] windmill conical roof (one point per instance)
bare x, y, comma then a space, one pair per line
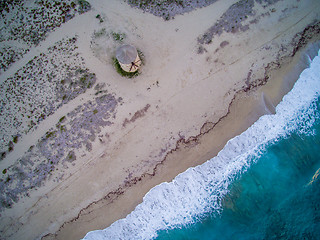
126, 54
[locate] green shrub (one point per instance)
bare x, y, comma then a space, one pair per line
50, 134
71, 156
118, 36
62, 119
99, 33
84, 6
15, 139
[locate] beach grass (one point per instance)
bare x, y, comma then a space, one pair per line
118, 37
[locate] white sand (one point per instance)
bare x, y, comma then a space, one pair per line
184, 90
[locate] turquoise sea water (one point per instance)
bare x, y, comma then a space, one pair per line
264, 184
277, 198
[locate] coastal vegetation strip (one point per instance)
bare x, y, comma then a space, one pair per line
57, 148
230, 21
39, 88
138, 114
25, 24
235, 19
168, 9
300, 40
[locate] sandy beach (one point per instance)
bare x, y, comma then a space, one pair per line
81, 145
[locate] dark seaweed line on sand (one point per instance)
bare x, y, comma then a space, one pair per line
299, 41
180, 144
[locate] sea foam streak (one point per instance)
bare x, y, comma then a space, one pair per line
199, 190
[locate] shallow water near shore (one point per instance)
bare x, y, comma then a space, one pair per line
277, 198
262, 185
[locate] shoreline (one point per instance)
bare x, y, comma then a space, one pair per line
192, 101
188, 150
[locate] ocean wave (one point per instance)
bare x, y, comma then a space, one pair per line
199, 190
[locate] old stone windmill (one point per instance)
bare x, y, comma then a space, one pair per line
128, 58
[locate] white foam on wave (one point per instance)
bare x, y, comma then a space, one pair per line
199, 190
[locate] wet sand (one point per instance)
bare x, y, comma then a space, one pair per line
194, 93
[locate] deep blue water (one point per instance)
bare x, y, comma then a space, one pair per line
263, 184
277, 198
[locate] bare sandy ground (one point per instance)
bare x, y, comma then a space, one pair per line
106, 140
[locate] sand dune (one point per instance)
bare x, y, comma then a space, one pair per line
81, 144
